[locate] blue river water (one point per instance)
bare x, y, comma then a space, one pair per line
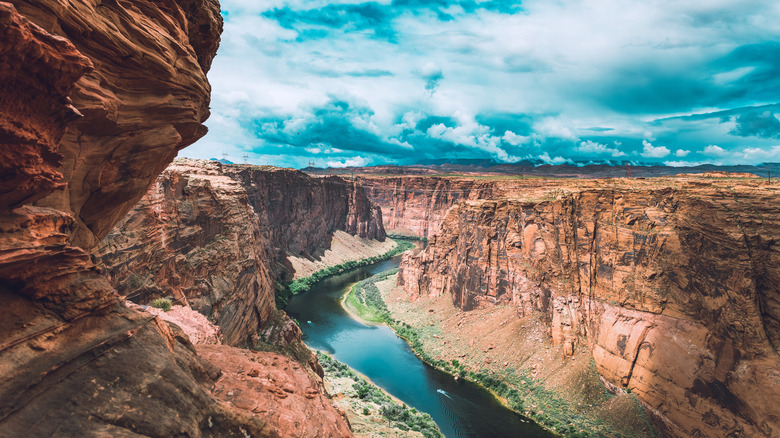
460, 409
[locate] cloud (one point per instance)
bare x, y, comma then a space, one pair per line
714, 150
682, 163
651, 151
432, 75
515, 140
350, 162
506, 80
758, 155
593, 148
757, 124
545, 157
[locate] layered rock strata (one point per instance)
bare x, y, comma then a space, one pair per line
217, 237
416, 205
299, 213
145, 100
194, 237
672, 286
96, 99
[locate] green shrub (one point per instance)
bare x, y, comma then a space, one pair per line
301, 285
162, 303
365, 411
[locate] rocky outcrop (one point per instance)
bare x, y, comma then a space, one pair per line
195, 237
217, 237
673, 286
145, 100
96, 99
261, 384
276, 389
300, 212
416, 205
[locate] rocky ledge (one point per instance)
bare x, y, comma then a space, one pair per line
96, 99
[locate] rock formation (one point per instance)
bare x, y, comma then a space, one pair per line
96, 99
195, 237
415, 205
216, 237
300, 212
672, 285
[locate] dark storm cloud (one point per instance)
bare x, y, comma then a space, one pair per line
332, 125
371, 17
757, 124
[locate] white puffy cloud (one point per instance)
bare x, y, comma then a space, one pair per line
651, 151
515, 140
595, 148
714, 150
681, 153
357, 161
758, 155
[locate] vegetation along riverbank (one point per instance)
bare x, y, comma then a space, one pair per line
574, 403
301, 285
371, 411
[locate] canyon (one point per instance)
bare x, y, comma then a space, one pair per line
97, 99
219, 238
669, 284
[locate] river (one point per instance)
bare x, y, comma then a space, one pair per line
460, 409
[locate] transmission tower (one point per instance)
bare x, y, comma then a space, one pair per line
629, 172
245, 157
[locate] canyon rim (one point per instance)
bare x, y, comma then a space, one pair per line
144, 294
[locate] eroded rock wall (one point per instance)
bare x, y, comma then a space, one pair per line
217, 237
673, 288
301, 212
195, 237
96, 98
416, 205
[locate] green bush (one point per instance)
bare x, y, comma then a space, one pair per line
162, 303
301, 285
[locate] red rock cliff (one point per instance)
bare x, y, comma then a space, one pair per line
213, 235
417, 205
673, 287
96, 98
195, 237
300, 212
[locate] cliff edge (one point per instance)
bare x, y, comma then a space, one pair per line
671, 285
96, 98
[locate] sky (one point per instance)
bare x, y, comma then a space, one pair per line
352, 83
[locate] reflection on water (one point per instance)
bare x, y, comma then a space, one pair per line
460, 409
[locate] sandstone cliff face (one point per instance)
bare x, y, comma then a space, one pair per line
75, 361
417, 205
216, 237
195, 237
145, 100
673, 287
300, 212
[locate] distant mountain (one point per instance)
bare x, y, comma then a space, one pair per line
222, 160
607, 170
